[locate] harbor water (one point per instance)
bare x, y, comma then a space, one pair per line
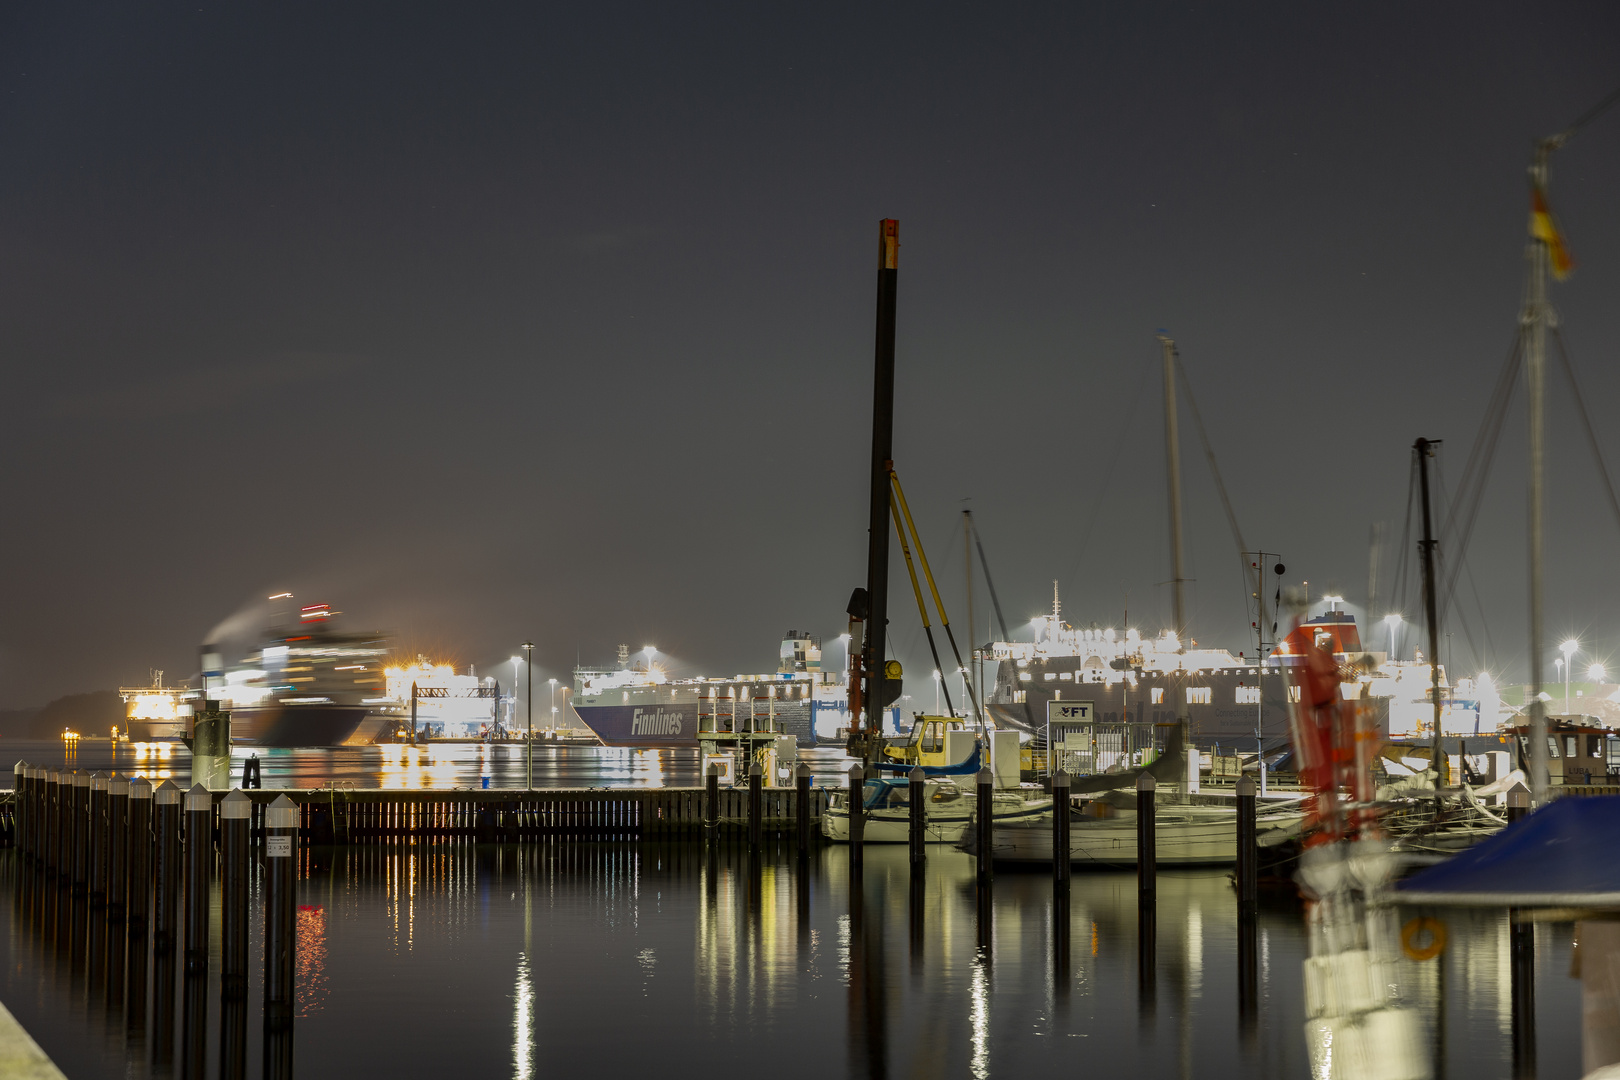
692, 959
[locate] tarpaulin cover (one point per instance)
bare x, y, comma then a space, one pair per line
1562, 855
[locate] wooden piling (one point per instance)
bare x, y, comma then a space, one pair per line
138, 886
917, 833
54, 809
984, 821
99, 840
199, 876
79, 824
166, 901
857, 817
1147, 848
1248, 854
1060, 829
801, 807
117, 846
234, 811
711, 800
756, 781
280, 942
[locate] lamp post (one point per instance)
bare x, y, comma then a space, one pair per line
528, 743
553, 683
1558, 668
1569, 648
936, 691
1392, 621
844, 640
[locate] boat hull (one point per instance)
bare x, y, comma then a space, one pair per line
950, 826
1207, 838
304, 725
670, 725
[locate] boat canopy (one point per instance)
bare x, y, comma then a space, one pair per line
1554, 857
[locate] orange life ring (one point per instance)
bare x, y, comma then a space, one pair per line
1415, 929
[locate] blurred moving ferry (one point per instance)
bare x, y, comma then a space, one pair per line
308, 685
637, 704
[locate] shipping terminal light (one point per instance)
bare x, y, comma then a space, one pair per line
1570, 648
1597, 673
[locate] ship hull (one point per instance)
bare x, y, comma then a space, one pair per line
303, 725
674, 725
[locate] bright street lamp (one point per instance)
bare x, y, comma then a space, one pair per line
1332, 602
1392, 620
553, 683
1569, 648
1596, 673
528, 743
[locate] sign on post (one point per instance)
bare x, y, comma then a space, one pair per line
1069, 735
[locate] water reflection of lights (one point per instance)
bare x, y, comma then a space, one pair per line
979, 1017
144, 750
523, 1023
311, 935
415, 768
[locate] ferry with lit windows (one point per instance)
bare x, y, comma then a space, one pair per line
1229, 701
308, 685
637, 704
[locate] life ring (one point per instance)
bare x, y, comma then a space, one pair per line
1416, 929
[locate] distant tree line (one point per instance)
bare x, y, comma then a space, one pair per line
95, 713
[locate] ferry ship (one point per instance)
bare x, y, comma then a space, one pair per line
636, 703
308, 685
1229, 701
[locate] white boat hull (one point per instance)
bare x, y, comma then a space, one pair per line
1206, 837
885, 826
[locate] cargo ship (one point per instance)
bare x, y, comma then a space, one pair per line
636, 703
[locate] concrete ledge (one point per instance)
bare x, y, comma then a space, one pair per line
20, 1056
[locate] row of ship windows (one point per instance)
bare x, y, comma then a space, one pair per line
1196, 695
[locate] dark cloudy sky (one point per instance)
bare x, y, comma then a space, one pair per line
555, 321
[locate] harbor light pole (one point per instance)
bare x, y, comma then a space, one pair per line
1569, 649
528, 743
553, 683
1392, 620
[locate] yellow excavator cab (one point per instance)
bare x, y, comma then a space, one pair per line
926, 743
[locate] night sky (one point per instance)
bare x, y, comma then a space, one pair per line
555, 321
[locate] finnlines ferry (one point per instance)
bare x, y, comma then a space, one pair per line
636, 703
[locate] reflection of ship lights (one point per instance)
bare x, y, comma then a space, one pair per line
979, 1019
523, 1023
311, 975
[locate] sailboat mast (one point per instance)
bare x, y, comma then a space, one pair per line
967, 571
1172, 456
1424, 450
1533, 325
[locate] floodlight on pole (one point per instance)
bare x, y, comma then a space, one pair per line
528, 742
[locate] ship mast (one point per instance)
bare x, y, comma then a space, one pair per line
1533, 325
1172, 457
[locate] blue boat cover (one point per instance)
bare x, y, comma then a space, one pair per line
967, 768
1559, 856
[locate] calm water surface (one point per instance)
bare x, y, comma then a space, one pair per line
681, 960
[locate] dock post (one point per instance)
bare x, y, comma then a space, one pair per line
984, 821
118, 847
1247, 853
79, 812
199, 866
166, 906
1060, 831
1146, 892
1248, 857
280, 845
801, 807
756, 781
711, 800
857, 817
96, 824
138, 885
234, 811
1147, 846
1521, 965
917, 790
52, 810
19, 784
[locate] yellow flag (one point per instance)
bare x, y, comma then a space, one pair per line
1544, 227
